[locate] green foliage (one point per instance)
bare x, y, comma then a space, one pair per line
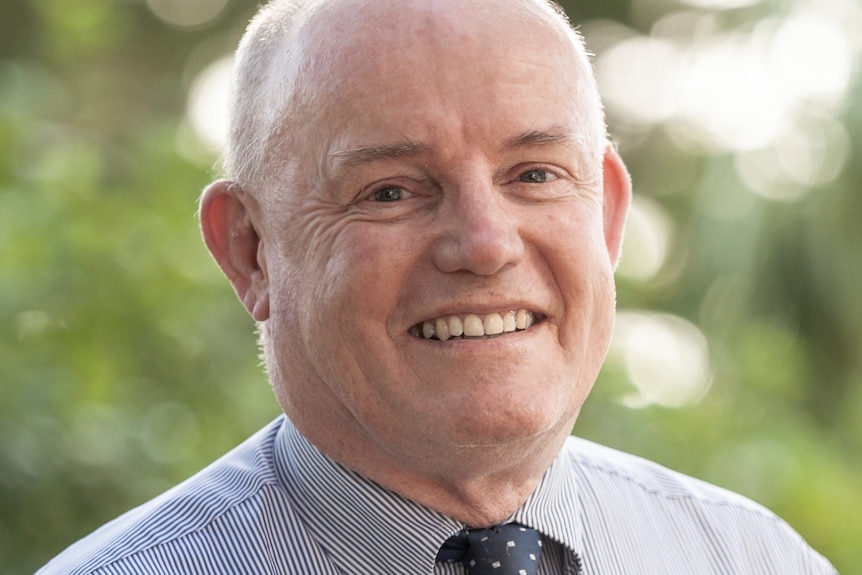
126, 363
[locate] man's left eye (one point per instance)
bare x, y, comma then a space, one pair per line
536, 176
388, 194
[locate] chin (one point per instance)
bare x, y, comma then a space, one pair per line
510, 426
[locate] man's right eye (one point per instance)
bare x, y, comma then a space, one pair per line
388, 194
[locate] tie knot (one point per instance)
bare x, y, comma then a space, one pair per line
509, 549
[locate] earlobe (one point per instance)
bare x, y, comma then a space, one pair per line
616, 200
230, 234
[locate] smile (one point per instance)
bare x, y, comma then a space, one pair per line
474, 325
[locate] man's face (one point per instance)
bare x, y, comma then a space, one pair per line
451, 181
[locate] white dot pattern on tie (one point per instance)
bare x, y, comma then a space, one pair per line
508, 549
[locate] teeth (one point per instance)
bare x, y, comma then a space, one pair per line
456, 326
509, 323
493, 324
473, 325
442, 328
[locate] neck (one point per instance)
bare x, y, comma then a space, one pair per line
477, 485
480, 497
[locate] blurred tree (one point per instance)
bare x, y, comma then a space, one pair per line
126, 364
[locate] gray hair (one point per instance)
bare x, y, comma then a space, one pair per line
259, 99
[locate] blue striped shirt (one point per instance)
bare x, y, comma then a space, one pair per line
276, 505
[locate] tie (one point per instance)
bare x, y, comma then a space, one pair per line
509, 549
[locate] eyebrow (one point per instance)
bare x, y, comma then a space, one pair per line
556, 135
359, 155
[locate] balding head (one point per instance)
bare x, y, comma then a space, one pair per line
284, 62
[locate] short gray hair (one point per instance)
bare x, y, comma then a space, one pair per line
259, 99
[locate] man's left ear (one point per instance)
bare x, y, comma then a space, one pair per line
616, 200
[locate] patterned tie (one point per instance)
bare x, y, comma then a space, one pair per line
509, 549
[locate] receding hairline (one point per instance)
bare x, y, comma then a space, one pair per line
263, 102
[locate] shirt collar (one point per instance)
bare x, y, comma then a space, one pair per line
553, 508
355, 520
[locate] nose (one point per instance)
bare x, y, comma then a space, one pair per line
481, 232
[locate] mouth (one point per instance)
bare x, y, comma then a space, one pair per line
475, 326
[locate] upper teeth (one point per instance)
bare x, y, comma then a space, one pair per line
473, 325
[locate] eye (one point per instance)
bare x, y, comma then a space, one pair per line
536, 177
388, 194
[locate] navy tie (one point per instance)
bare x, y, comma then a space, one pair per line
509, 549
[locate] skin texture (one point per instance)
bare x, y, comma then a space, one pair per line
475, 121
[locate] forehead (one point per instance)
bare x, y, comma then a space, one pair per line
414, 65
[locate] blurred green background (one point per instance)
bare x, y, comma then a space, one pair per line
126, 364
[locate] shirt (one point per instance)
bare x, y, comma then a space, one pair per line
276, 505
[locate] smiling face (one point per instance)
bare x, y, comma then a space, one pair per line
438, 258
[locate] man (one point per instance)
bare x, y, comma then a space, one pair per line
424, 215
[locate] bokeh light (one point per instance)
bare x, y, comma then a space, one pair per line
720, 4
649, 234
187, 13
666, 358
812, 56
653, 65
207, 105
768, 92
811, 151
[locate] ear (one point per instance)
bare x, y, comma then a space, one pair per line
229, 231
616, 201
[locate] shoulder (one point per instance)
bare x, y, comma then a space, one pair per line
598, 464
201, 512
624, 499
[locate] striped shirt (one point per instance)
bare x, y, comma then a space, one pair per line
276, 505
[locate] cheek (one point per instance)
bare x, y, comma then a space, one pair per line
362, 277
579, 262
309, 245
572, 242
